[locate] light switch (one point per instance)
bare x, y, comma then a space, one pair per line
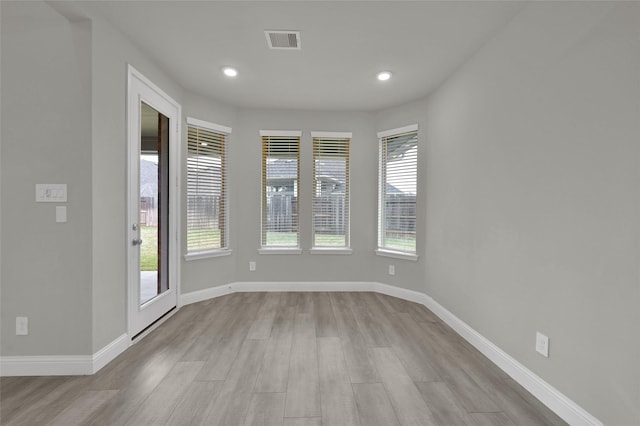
51, 192
61, 214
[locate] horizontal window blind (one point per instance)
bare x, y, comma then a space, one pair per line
397, 189
280, 178
331, 192
206, 190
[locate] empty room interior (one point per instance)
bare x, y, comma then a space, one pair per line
307, 213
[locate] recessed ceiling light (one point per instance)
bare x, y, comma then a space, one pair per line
384, 75
230, 72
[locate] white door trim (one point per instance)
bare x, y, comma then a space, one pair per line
139, 88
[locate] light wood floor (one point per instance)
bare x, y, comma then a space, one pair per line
286, 359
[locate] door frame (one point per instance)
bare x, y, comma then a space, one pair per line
140, 88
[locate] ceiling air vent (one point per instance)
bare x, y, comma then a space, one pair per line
283, 39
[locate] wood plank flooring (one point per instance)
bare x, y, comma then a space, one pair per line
285, 359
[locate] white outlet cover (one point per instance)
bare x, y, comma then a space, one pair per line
392, 269
542, 344
22, 326
61, 214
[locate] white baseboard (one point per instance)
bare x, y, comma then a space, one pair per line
557, 402
400, 293
242, 287
206, 294
62, 365
56, 365
249, 286
107, 354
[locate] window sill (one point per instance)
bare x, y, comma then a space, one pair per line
397, 254
329, 250
206, 254
280, 250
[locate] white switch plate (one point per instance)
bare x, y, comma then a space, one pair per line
51, 192
252, 266
542, 344
392, 269
61, 214
22, 326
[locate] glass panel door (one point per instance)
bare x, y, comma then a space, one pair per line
152, 211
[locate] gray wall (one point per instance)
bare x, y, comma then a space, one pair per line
532, 172
46, 138
111, 52
246, 202
63, 110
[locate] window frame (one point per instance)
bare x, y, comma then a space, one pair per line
381, 249
225, 249
325, 249
277, 249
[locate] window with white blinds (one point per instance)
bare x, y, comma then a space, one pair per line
330, 201
206, 187
398, 189
280, 183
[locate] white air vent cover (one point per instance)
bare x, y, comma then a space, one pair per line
283, 39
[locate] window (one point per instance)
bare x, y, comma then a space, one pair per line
206, 188
331, 189
280, 181
397, 192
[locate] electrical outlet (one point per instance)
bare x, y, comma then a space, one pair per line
61, 214
542, 344
392, 269
252, 266
22, 326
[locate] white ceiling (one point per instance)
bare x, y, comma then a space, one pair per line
344, 45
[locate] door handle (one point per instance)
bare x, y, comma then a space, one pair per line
137, 242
